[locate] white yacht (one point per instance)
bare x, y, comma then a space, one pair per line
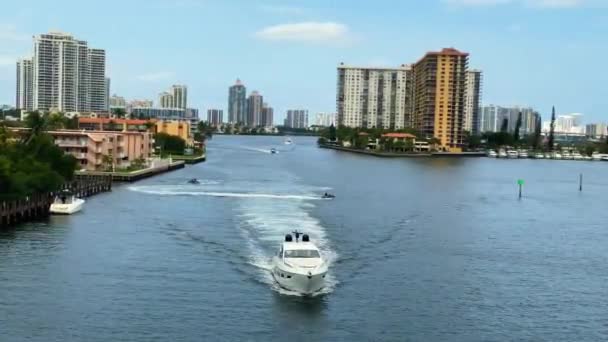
512, 154
523, 154
567, 156
66, 203
576, 155
557, 155
596, 156
539, 156
299, 266
492, 154
502, 153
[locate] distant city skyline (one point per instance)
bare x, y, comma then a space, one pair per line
504, 39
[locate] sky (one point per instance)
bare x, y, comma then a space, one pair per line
535, 53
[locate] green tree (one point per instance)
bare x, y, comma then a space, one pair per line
537, 131
169, 143
332, 133
119, 112
551, 139
504, 127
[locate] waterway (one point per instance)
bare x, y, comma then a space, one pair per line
420, 249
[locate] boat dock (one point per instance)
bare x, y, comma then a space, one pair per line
157, 168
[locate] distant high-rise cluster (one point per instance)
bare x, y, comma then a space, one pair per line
496, 118
296, 118
176, 97
64, 74
438, 96
324, 119
249, 111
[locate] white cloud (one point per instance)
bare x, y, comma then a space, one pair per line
529, 3
315, 32
156, 76
282, 9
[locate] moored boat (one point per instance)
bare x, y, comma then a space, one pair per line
66, 203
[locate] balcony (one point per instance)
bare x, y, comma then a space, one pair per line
70, 143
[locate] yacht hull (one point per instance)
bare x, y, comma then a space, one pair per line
302, 282
67, 209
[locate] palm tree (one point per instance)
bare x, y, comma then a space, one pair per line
37, 124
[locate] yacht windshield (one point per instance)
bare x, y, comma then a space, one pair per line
302, 253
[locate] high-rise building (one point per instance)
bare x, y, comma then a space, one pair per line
117, 101
324, 119
439, 83
267, 119
472, 101
165, 100
492, 118
374, 97
107, 93
67, 75
598, 130
255, 102
296, 118
237, 103
215, 117
180, 96
25, 86
97, 88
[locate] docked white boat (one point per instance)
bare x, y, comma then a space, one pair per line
502, 154
512, 154
596, 156
557, 156
492, 154
539, 156
523, 154
66, 203
567, 156
299, 266
577, 156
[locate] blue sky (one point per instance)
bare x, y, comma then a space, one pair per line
532, 52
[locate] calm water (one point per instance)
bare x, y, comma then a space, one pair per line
421, 250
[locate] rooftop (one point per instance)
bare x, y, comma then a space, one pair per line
399, 135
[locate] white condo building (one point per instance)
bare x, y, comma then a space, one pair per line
25, 86
176, 97
325, 119
67, 75
296, 118
374, 97
472, 101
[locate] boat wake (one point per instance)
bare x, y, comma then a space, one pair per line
184, 191
264, 225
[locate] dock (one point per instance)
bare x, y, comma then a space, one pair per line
36, 206
157, 168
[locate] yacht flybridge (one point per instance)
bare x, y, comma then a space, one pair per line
299, 266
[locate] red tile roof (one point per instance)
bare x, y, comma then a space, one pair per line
399, 135
118, 121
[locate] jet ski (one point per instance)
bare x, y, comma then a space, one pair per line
194, 181
273, 150
326, 195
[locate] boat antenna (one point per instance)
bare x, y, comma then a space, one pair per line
297, 235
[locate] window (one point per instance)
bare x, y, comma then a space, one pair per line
302, 253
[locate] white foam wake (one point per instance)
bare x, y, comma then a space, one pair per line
156, 190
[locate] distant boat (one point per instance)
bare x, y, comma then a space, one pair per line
288, 141
557, 156
523, 154
512, 154
502, 154
577, 156
273, 150
567, 156
539, 156
492, 154
596, 156
66, 203
194, 181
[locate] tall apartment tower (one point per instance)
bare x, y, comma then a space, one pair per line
25, 86
97, 91
374, 97
255, 102
67, 75
237, 103
180, 96
439, 91
165, 100
472, 101
267, 119
296, 118
215, 117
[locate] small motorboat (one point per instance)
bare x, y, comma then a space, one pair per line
523, 154
194, 181
299, 266
66, 203
327, 195
288, 141
502, 153
492, 154
273, 150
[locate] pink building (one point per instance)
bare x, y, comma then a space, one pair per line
90, 147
